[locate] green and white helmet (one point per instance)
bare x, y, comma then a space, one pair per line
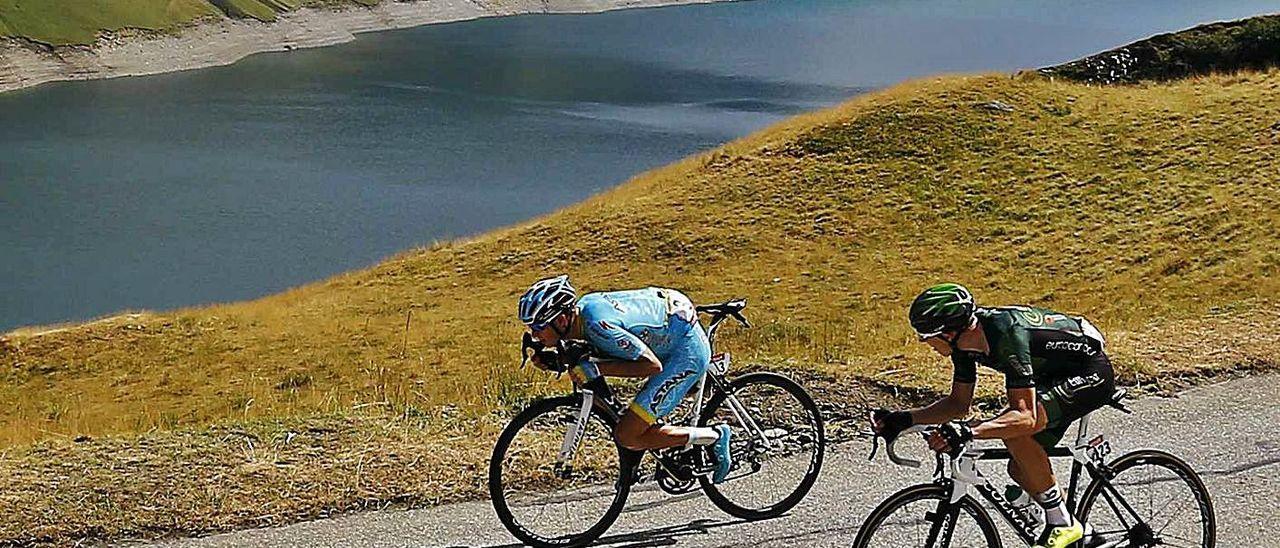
943, 307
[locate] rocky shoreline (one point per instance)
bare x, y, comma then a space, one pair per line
225, 41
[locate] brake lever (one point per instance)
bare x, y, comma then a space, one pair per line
875, 438
741, 319
526, 345
550, 358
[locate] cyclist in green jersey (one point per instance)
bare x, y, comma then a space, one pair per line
1056, 371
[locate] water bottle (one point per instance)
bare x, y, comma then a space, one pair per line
1023, 502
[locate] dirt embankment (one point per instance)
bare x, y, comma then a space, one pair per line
1247, 44
224, 41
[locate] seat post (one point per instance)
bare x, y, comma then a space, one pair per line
1082, 430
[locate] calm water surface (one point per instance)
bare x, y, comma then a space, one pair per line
235, 182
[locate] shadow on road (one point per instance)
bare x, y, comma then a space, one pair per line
659, 536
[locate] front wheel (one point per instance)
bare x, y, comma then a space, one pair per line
922, 517
1152, 498
543, 501
777, 445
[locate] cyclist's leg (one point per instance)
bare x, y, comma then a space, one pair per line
1063, 403
681, 369
1029, 448
1029, 463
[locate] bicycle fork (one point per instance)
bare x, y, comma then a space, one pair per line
573, 436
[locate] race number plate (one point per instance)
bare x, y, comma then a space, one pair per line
1098, 449
720, 363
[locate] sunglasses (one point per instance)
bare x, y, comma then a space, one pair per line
926, 336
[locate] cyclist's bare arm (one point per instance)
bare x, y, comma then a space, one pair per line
954, 406
647, 366
1021, 418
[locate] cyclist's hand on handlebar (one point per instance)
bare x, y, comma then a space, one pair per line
574, 351
889, 424
541, 358
548, 360
950, 437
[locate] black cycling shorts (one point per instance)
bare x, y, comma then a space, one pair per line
1066, 400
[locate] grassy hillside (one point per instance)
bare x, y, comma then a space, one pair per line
1132, 205
1247, 44
1152, 209
80, 22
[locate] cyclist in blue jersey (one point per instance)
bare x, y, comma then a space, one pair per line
651, 332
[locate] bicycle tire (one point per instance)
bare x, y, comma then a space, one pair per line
498, 495
792, 388
925, 491
1151, 457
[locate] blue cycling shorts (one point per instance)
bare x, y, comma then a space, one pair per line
681, 369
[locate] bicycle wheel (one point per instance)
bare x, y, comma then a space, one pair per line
908, 518
777, 446
1152, 499
544, 505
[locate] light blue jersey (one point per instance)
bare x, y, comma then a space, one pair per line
623, 324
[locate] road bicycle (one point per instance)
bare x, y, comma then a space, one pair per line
1141, 499
557, 476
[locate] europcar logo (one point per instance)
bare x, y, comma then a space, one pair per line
1070, 346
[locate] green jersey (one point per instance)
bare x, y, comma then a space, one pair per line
1030, 346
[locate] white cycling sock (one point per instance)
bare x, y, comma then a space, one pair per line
1055, 509
701, 436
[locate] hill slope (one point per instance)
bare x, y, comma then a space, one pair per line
1132, 205
1247, 44
80, 22
1152, 209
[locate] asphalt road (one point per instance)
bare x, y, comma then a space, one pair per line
1227, 431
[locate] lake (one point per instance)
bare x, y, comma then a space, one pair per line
234, 182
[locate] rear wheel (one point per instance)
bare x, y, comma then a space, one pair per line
546, 505
911, 518
777, 445
1152, 499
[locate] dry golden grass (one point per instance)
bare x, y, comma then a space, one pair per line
1129, 205
251, 474
1152, 209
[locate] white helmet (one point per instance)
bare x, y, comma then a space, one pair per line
546, 299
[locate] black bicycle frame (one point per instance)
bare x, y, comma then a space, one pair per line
1024, 527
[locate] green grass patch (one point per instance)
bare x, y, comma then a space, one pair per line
262, 11
1247, 44
80, 22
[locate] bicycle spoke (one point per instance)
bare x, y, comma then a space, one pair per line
1173, 508
1170, 520
775, 448
1179, 538
915, 521
1163, 543
1119, 514
550, 500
